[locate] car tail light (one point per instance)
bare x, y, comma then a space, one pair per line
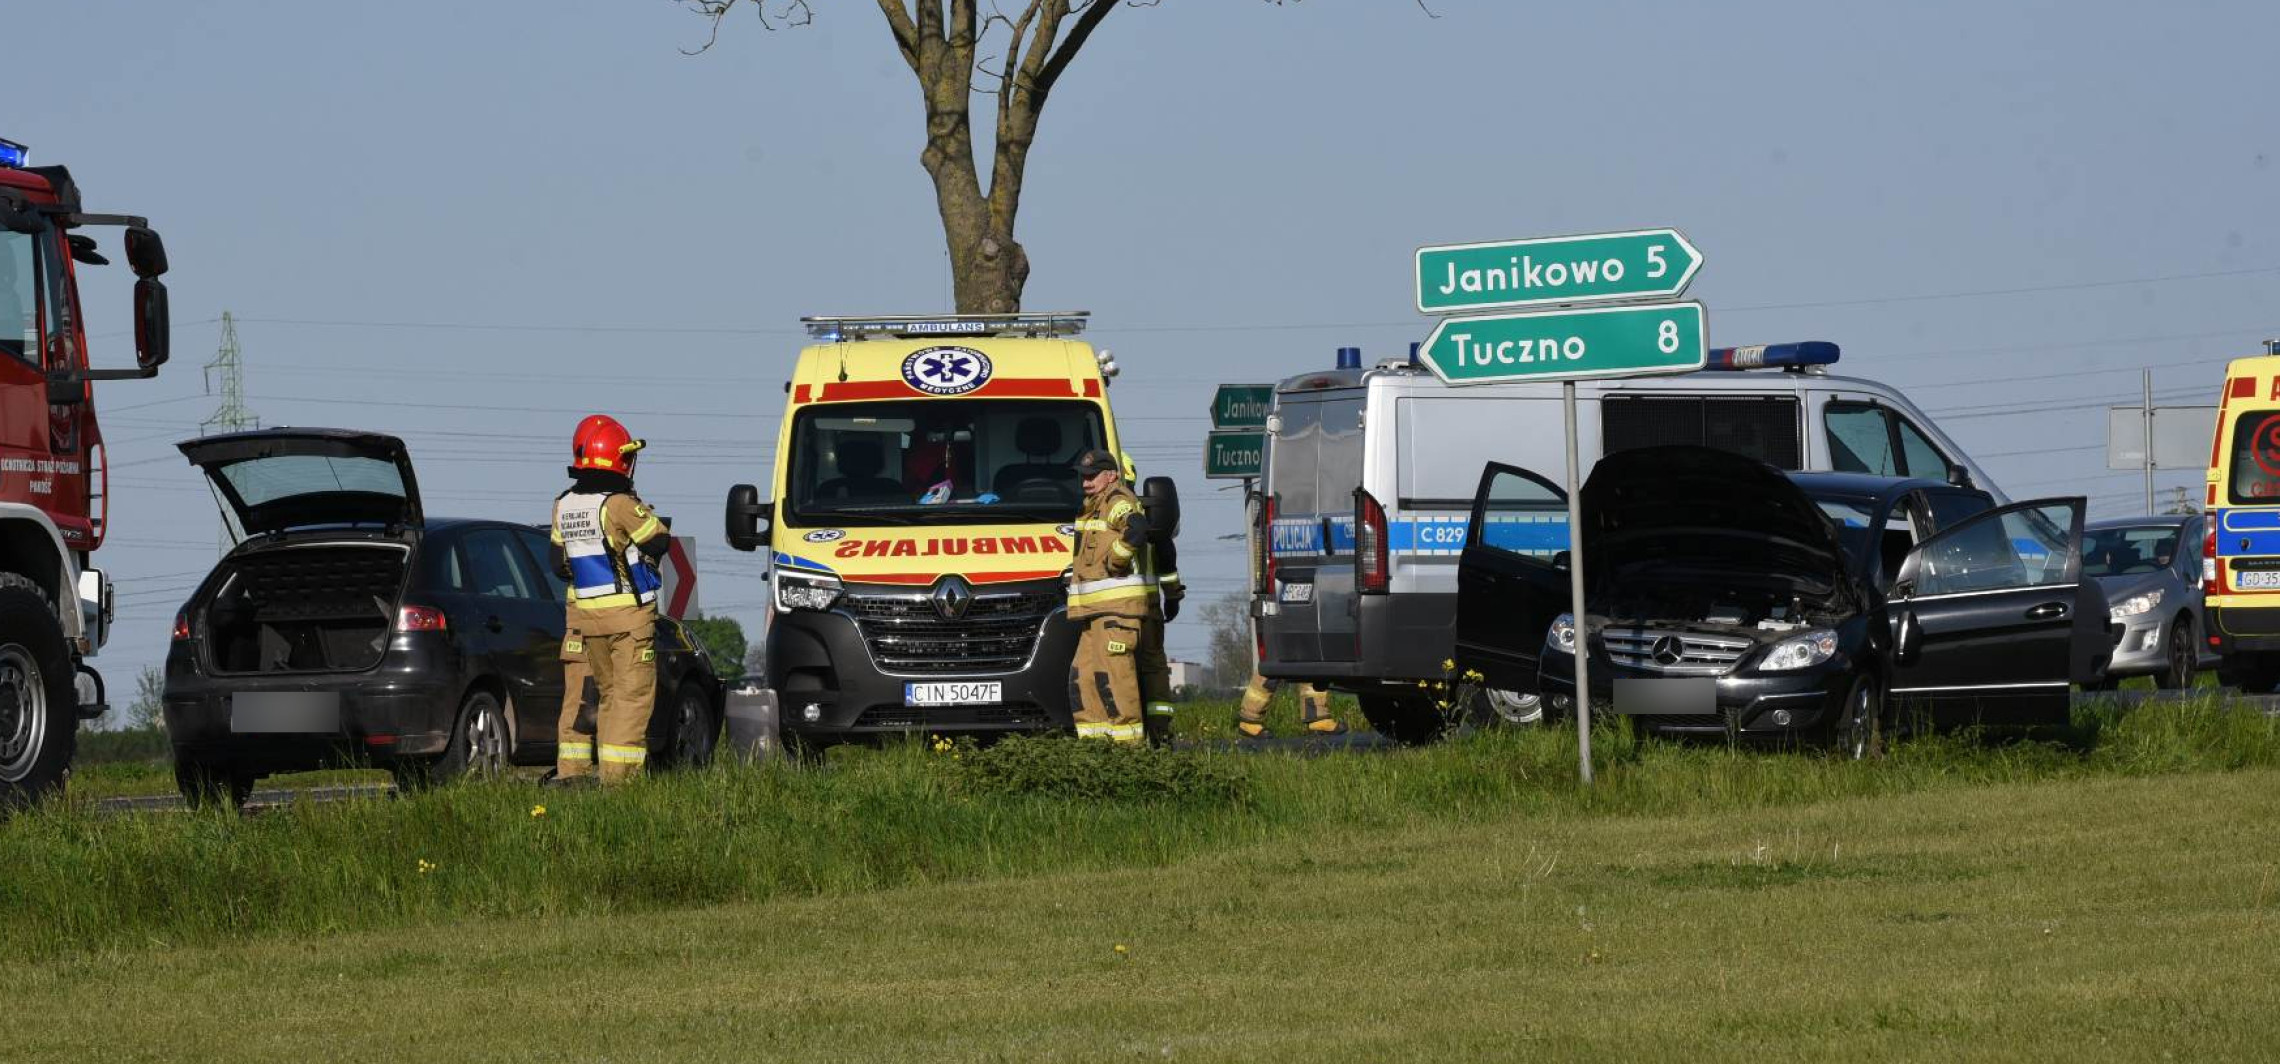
1371, 573
1262, 549
182, 625
2212, 571
419, 619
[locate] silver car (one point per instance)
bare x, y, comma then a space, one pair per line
2150, 569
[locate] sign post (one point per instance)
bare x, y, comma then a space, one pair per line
1566, 345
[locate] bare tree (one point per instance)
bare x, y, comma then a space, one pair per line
953, 48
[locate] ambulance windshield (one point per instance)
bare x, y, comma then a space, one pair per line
935, 461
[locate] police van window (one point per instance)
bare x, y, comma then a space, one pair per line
2255, 458
19, 298
1860, 439
1338, 468
901, 461
1294, 457
1760, 427
493, 565
1924, 459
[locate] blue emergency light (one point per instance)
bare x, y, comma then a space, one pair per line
1774, 356
1349, 358
14, 154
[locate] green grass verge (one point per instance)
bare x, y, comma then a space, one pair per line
82, 882
2084, 919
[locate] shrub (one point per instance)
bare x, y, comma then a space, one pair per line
1091, 770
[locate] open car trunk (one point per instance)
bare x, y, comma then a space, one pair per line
320, 607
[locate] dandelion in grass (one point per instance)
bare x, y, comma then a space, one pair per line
1121, 951
427, 866
537, 811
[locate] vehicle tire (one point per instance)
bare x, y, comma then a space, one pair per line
1408, 721
39, 695
203, 785
1856, 732
479, 745
2182, 656
695, 732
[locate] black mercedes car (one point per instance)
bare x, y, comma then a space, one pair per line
347, 628
1726, 597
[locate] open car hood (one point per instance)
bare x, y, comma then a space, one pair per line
1707, 520
278, 479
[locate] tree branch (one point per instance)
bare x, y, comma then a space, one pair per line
1087, 21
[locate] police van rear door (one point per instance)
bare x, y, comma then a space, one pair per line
1314, 465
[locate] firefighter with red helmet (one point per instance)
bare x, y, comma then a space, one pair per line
606, 543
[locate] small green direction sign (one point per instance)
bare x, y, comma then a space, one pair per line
1646, 264
1232, 454
1627, 341
1241, 406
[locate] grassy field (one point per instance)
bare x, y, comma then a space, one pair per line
2108, 895
2091, 918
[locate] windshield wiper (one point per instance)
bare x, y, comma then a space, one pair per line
888, 517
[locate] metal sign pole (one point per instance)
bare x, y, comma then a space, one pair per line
1582, 655
2146, 464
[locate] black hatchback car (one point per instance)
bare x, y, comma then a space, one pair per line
347, 628
1726, 597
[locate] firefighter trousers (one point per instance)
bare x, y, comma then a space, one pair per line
1313, 702
625, 668
1108, 679
574, 731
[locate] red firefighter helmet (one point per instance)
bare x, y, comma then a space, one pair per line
602, 443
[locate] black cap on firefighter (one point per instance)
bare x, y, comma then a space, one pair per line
1095, 462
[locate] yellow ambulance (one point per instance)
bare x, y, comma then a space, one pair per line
919, 523
2240, 567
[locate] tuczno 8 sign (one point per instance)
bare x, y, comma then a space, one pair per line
1569, 344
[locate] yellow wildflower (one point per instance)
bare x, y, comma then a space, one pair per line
537, 811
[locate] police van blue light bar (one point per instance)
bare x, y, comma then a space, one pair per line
14, 154
1774, 356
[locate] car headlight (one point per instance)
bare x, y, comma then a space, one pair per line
805, 592
2134, 605
1561, 636
1800, 651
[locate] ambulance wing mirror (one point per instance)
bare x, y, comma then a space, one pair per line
748, 518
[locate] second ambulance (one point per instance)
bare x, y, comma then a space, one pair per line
921, 518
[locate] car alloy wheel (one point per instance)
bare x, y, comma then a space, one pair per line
1857, 737
23, 712
692, 741
486, 740
1515, 708
2183, 660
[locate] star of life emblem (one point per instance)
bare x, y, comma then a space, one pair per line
946, 370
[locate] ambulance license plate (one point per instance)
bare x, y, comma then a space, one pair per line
1298, 592
2257, 578
980, 693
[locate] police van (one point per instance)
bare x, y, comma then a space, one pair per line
920, 517
1370, 473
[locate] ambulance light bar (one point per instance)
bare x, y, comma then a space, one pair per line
1774, 356
14, 154
834, 329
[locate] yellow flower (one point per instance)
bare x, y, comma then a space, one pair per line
1120, 950
1448, 664
427, 866
537, 811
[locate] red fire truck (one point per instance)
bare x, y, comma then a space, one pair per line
55, 607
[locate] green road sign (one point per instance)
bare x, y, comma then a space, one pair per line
1647, 264
1568, 344
1241, 406
1234, 453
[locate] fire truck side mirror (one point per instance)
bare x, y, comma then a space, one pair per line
151, 329
146, 253
747, 518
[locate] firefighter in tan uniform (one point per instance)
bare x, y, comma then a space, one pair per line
1108, 595
1313, 702
608, 543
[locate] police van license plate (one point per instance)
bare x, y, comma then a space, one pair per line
2257, 578
982, 693
1298, 592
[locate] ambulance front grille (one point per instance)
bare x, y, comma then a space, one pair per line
907, 634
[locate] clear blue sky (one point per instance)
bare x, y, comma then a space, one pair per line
1233, 188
